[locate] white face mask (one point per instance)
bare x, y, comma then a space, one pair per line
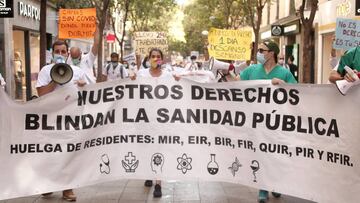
260, 58
59, 58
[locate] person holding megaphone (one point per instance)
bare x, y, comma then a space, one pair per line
347, 74
57, 75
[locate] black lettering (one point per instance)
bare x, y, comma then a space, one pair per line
31, 122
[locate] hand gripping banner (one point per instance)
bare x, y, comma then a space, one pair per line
300, 140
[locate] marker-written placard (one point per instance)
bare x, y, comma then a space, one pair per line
145, 41
77, 23
347, 33
230, 44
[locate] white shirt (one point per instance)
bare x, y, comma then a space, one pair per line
44, 77
86, 64
115, 73
145, 73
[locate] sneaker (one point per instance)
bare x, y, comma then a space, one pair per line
69, 195
263, 196
157, 191
148, 183
275, 194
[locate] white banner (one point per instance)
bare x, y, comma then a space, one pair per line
300, 140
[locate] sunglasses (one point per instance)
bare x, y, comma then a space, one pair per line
262, 50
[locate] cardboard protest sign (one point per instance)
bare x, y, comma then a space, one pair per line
77, 23
145, 41
347, 33
230, 44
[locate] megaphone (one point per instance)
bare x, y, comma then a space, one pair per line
61, 73
343, 85
215, 65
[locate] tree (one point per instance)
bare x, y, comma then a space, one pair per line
254, 9
43, 33
122, 8
308, 41
151, 15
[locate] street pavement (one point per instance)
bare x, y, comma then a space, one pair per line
133, 191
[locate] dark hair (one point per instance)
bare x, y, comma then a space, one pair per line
144, 62
60, 42
193, 57
291, 57
114, 54
158, 50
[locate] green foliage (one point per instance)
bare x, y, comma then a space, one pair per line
151, 15
178, 46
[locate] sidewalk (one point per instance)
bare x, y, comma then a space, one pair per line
133, 191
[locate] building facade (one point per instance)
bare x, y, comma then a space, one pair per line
20, 46
328, 12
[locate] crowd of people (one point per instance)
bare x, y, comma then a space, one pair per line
270, 65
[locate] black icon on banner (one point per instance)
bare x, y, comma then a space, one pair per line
184, 163
130, 163
213, 166
157, 162
235, 166
105, 165
255, 166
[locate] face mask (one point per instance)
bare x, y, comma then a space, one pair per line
114, 63
281, 61
76, 61
260, 58
59, 58
155, 63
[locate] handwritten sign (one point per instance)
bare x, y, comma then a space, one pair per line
230, 44
347, 33
145, 41
77, 23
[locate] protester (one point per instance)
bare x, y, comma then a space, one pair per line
155, 71
267, 69
351, 58
333, 60
281, 61
292, 67
86, 61
192, 65
114, 69
18, 75
45, 85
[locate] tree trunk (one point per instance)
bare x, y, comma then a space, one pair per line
43, 41
307, 57
127, 4
102, 23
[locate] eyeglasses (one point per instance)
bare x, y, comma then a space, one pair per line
262, 50
57, 51
281, 58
